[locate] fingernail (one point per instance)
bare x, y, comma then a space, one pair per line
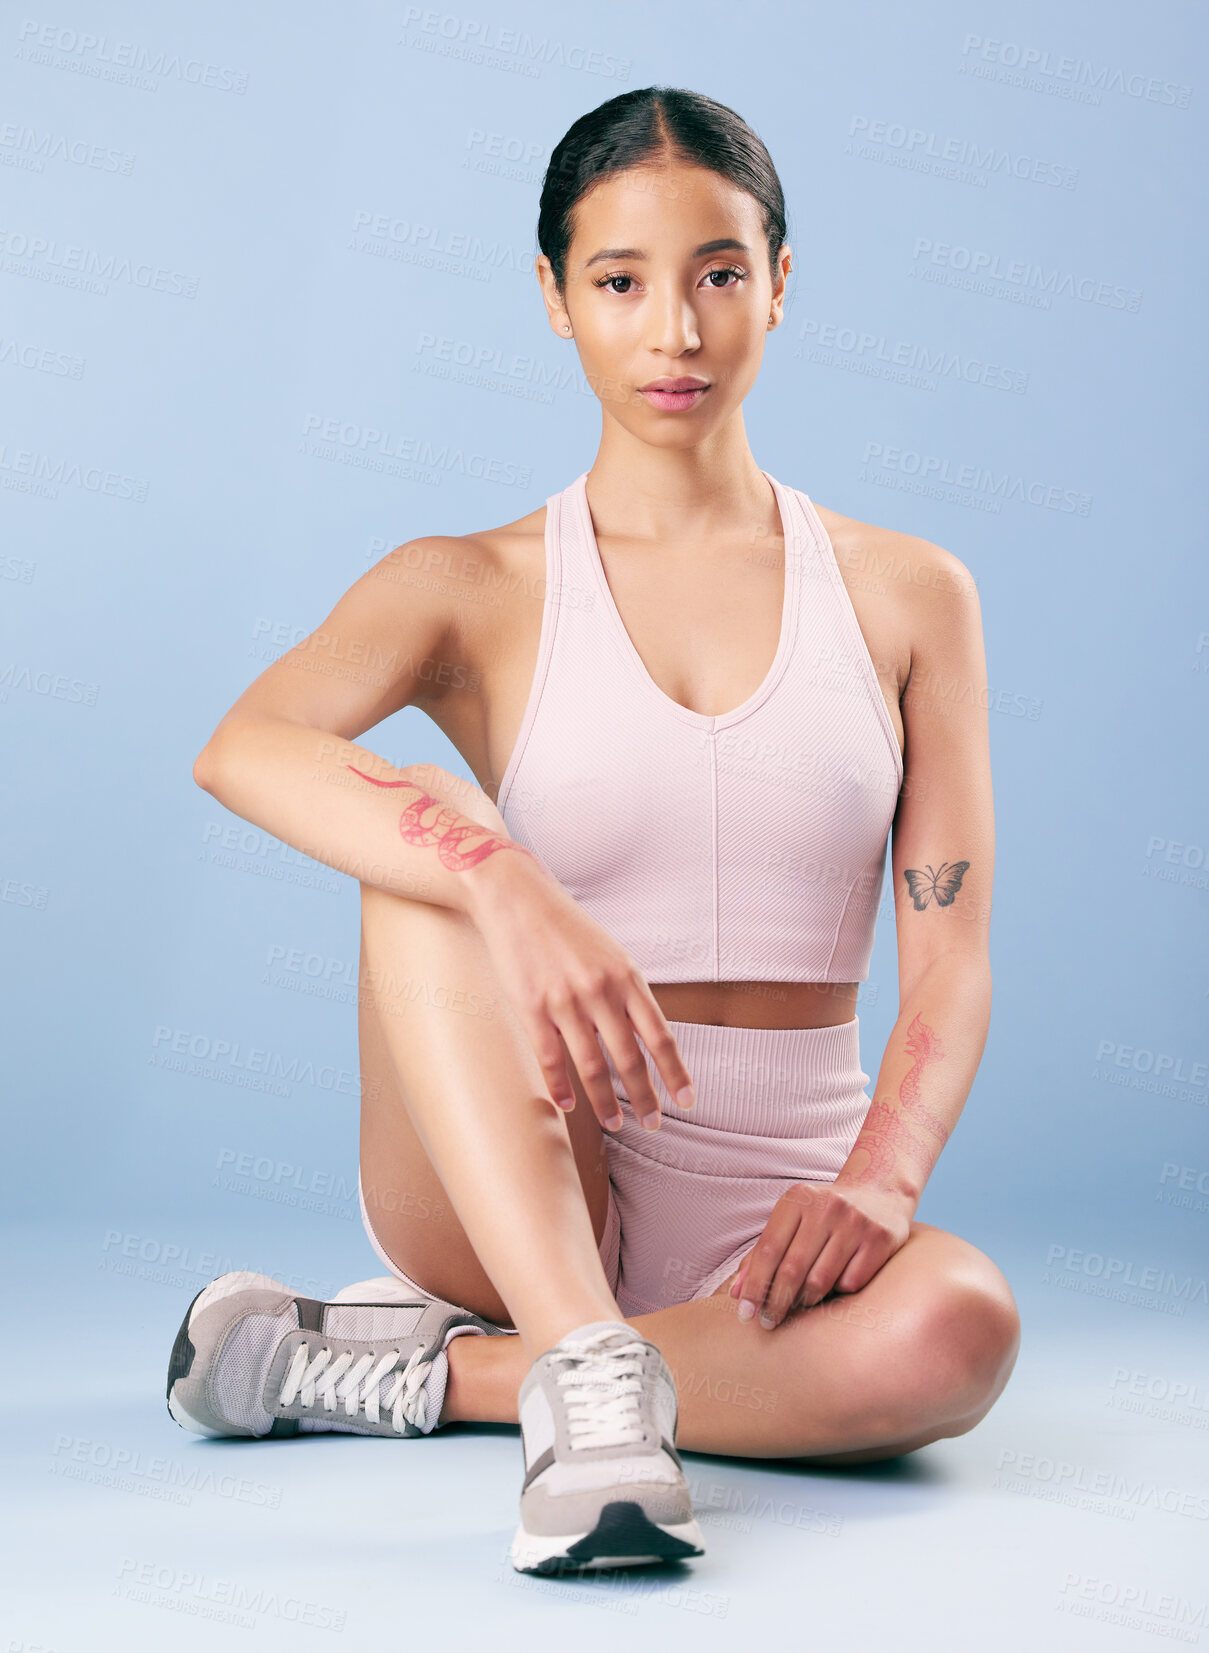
614, 1124
767, 1322
746, 1309
686, 1096
566, 1103
651, 1122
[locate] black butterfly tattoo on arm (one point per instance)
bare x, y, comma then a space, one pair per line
944, 884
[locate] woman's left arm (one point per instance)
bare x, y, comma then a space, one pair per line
824, 1237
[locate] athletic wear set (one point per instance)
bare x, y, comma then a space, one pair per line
750, 846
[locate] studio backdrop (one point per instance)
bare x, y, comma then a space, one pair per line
270, 310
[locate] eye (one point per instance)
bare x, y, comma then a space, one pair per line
727, 270
608, 280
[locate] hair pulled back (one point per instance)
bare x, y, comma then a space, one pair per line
654, 125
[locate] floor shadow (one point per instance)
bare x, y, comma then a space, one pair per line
903, 1469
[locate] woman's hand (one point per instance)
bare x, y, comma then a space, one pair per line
821, 1237
565, 975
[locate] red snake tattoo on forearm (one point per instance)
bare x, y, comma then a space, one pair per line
888, 1136
460, 842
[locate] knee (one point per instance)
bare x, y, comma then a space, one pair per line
956, 1349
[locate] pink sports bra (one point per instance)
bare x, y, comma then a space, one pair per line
745, 847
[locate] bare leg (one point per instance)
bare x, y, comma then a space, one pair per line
478, 1187
923, 1351
481, 1190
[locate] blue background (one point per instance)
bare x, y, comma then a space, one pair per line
994, 339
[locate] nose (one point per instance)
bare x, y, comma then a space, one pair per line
671, 323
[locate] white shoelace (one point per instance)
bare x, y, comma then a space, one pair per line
356, 1384
601, 1377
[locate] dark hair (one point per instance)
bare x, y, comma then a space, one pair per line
654, 124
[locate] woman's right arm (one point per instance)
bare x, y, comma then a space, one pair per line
286, 758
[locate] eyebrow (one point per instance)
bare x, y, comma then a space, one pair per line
723, 244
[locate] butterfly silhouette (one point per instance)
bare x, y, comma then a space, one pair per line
941, 884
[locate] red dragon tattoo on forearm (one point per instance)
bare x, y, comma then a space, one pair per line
890, 1135
460, 842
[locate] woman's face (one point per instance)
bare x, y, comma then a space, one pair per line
667, 278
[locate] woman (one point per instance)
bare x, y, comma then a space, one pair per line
700, 702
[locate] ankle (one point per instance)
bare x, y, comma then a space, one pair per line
484, 1376
551, 1328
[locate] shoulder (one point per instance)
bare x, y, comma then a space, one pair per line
919, 598
924, 591
475, 581
917, 569
454, 559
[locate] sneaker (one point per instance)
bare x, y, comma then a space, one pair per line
254, 1358
603, 1483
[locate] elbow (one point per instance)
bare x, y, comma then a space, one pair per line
955, 970
212, 762
205, 768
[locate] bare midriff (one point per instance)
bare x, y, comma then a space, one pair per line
757, 1003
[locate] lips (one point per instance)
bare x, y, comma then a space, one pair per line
674, 395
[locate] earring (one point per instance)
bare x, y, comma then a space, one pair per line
566, 327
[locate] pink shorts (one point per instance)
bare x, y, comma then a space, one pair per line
775, 1106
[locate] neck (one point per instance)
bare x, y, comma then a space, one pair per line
638, 491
